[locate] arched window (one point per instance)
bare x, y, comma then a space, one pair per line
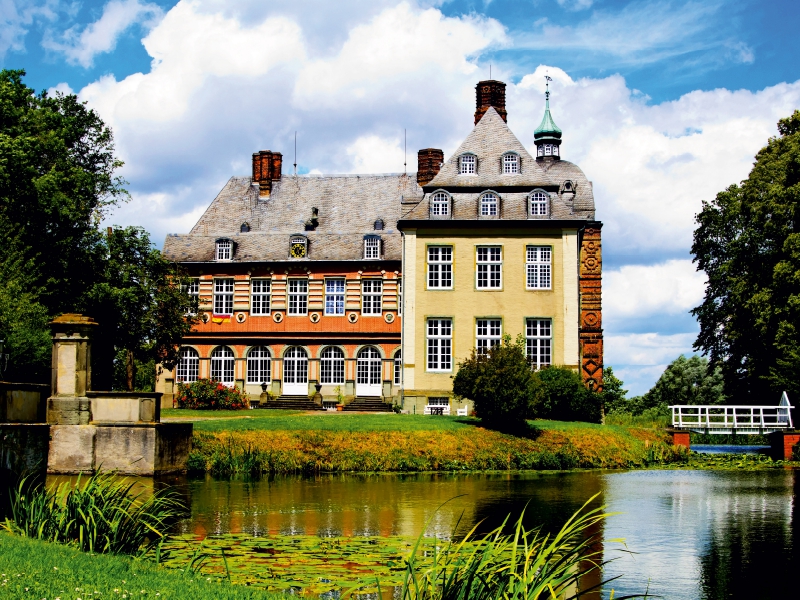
258, 365
245, 228
188, 366
440, 205
222, 365
538, 204
331, 365
467, 164
510, 164
398, 365
489, 205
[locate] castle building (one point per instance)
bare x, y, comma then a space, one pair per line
375, 287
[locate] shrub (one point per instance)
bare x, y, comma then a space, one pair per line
564, 397
208, 394
501, 383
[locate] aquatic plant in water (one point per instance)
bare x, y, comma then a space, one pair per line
103, 514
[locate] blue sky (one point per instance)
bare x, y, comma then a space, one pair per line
662, 104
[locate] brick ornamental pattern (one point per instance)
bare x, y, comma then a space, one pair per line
591, 325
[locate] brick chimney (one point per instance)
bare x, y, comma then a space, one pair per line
490, 93
429, 161
266, 169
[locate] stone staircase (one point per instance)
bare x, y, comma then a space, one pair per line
292, 403
368, 404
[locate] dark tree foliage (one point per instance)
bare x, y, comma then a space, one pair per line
564, 397
57, 177
501, 383
748, 243
684, 381
614, 397
141, 306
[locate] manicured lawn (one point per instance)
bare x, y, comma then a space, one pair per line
34, 569
287, 420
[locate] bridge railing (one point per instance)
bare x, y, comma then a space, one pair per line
731, 417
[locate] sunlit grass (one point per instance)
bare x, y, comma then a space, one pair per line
35, 569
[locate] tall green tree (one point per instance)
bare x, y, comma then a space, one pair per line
748, 243
684, 381
142, 308
57, 178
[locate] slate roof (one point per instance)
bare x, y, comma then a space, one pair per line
348, 206
489, 141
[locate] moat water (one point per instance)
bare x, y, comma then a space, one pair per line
688, 534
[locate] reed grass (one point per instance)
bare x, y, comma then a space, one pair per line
524, 565
102, 514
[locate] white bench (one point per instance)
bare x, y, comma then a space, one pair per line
462, 412
437, 409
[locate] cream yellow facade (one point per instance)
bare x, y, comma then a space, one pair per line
464, 303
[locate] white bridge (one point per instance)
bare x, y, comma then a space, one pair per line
740, 419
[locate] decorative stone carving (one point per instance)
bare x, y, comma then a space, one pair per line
591, 315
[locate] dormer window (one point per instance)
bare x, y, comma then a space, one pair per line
245, 228
440, 205
538, 201
489, 205
224, 250
568, 186
372, 247
510, 164
467, 164
378, 225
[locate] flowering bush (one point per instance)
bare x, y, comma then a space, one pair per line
208, 394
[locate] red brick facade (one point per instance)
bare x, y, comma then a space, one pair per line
591, 323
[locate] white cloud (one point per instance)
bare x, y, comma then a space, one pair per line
372, 154
16, 17
668, 288
80, 47
576, 4
639, 359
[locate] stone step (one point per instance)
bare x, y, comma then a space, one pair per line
368, 404
292, 403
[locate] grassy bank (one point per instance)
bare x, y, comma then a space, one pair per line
35, 569
309, 443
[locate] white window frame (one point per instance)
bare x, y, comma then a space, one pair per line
489, 205
372, 248
547, 150
467, 164
538, 267
223, 361
510, 164
331, 366
259, 365
297, 292
371, 296
440, 205
439, 343
223, 250
192, 290
223, 296
188, 368
260, 296
335, 291
440, 268
539, 342
400, 297
488, 334
397, 367
489, 267
538, 203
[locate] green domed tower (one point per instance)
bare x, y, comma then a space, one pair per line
547, 136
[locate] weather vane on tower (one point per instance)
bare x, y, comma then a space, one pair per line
548, 79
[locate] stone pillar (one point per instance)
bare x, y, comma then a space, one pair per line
782, 443
72, 371
591, 310
680, 437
